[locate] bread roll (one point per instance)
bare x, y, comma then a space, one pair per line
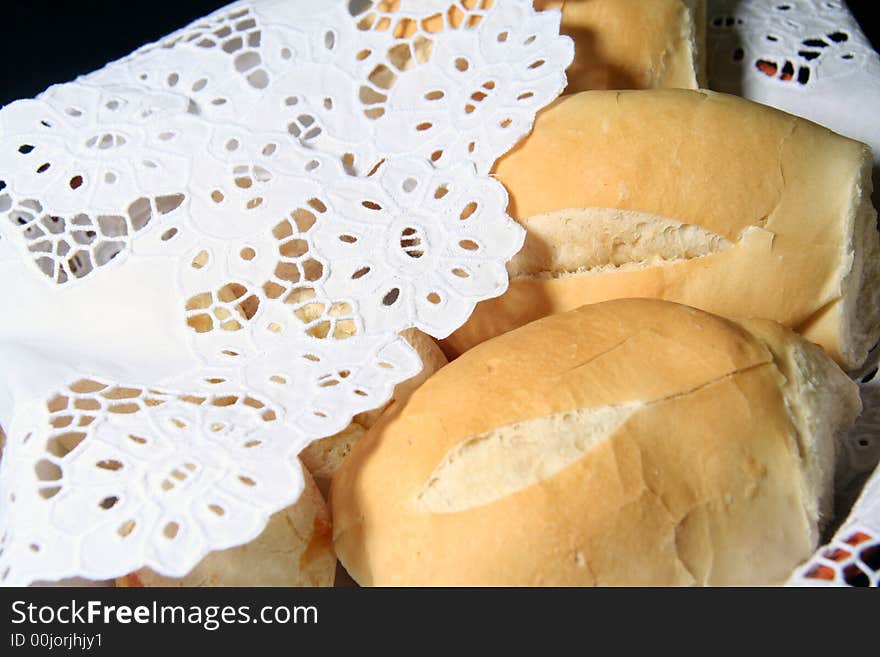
696, 197
294, 549
634, 44
324, 456
633, 442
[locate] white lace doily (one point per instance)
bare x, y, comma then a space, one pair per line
211, 246
807, 57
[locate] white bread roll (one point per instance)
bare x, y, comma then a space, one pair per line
633, 442
323, 457
294, 549
701, 198
634, 44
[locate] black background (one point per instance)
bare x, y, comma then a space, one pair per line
43, 42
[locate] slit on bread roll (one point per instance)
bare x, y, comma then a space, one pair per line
632, 442
323, 457
295, 549
701, 198
634, 44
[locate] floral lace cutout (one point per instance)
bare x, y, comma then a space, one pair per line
796, 41
218, 240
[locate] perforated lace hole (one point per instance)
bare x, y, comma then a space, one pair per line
47, 470
411, 242
76, 182
468, 211
317, 204
870, 556
62, 444
247, 481
348, 163
200, 260
854, 576
248, 253
820, 571
461, 64
258, 79
171, 530
391, 297
108, 502
360, 273
433, 298
126, 528
48, 492
246, 61
169, 234
109, 464
766, 67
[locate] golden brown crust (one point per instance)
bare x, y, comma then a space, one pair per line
632, 44
701, 484
788, 196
